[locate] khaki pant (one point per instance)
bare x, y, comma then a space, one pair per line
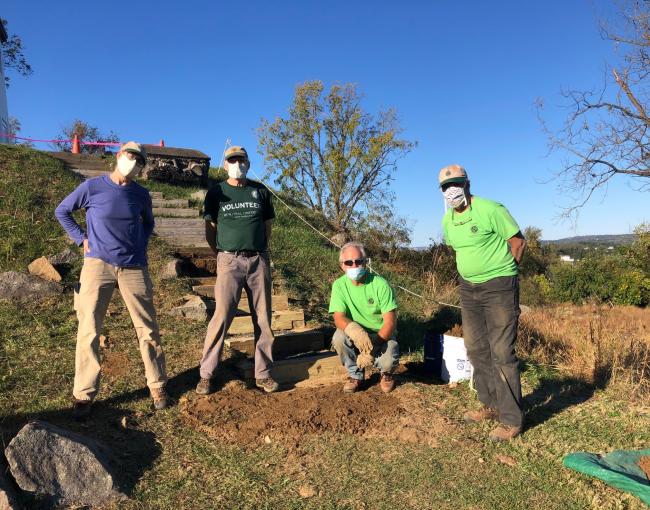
96, 285
234, 273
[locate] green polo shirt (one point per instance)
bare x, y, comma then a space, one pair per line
240, 213
364, 304
479, 236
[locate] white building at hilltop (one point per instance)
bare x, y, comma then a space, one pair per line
4, 113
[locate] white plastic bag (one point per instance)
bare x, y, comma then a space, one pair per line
455, 366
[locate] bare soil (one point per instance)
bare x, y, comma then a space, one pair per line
644, 464
249, 417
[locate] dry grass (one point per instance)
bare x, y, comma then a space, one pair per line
601, 344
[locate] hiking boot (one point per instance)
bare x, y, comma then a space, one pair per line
387, 382
484, 413
352, 385
504, 432
81, 409
159, 396
267, 384
205, 386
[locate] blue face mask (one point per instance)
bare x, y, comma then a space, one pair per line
355, 273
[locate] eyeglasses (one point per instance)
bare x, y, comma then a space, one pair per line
355, 262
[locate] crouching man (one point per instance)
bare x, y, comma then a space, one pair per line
365, 315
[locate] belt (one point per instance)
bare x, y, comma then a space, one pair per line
244, 253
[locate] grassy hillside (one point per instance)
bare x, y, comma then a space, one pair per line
166, 462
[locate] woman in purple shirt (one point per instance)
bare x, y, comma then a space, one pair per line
119, 221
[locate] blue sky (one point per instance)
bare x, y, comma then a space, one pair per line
463, 76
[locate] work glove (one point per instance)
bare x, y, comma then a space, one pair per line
365, 360
359, 337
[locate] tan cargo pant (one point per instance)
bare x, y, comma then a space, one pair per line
235, 273
91, 300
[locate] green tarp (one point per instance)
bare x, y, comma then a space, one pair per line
619, 469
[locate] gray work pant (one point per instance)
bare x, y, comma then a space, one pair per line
234, 273
490, 312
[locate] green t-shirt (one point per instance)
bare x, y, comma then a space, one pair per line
240, 213
479, 235
365, 304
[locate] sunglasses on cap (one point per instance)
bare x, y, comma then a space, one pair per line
355, 262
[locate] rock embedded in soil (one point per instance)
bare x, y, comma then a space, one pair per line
21, 286
194, 308
42, 267
67, 256
64, 467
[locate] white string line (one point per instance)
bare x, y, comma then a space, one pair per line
339, 246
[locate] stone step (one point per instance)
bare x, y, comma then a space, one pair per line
324, 365
285, 344
282, 320
175, 212
177, 202
278, 301
156, 194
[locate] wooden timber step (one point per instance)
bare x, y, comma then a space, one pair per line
278, 301
285, 344
175, 212
156, 194
88, 173
281, 320
176, 202
324, 365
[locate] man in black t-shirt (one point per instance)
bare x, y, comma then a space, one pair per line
238, 215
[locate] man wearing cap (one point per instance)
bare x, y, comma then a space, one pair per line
119, 221
238, 215
365, 315
489, 247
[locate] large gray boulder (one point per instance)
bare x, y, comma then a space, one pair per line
67, 256
8, 498
14, 285
193, 308
65, 467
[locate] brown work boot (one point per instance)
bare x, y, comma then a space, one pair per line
504, 432
204, 387
159, 396
387, 382
267, 384
81, 409
352, 385
484, 413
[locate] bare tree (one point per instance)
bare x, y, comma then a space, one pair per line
86, 133
605, 133
331, 154
12, 55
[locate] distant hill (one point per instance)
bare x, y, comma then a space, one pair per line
606, 239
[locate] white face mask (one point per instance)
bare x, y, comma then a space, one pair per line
455, 196
237, 170
127, 167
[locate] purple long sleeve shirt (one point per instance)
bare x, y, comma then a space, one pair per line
119, 220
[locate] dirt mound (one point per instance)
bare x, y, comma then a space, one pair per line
249, 417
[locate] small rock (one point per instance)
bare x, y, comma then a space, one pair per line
480, 460
18, 286
199, 195
267, 439
194, 308
173, 269
67, 256
524, 309
507, 460
452, 385
306, 491
103, 341
41, 267
8, 498
65, 467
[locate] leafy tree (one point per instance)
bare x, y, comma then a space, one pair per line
12, 55
331, 154
14, 129
86, 133
537, 257
605, 133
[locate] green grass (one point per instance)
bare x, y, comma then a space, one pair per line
165, 464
